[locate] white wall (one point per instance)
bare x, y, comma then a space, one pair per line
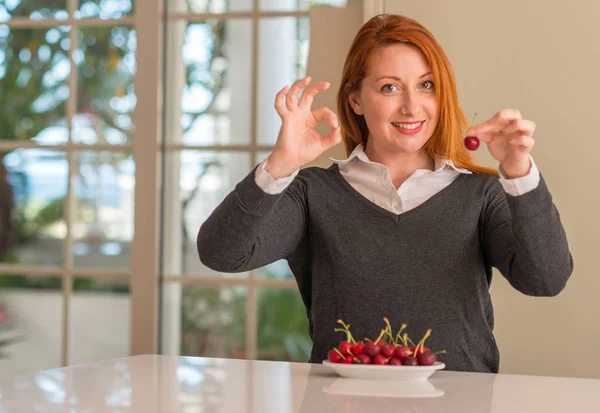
328, 47
543, 58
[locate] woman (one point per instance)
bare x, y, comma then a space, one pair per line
407, 227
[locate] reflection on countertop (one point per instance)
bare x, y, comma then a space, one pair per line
165, 384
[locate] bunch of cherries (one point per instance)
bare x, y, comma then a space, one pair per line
387, 349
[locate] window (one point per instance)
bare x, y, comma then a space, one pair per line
227, 60
79, 111
67, 99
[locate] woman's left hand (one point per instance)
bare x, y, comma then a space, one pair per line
509, 138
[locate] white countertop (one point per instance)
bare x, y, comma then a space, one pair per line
153, 384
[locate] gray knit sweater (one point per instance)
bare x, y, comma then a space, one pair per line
430, 267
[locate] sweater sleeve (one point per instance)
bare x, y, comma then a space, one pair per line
524, 239
251, 228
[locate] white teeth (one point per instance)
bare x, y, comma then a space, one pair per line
407, 125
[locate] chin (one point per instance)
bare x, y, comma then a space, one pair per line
411, 145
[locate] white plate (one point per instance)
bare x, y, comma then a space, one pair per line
377, 372
379, 388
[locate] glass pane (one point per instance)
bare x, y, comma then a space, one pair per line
37, 179
282, 326
205, 179
34, 69
262, 155
34, 9
213, 322
208, 6
99, 320
213, 83
283, 53
104, 186
279, 270
104, 9
295, 5
30, 323
105, 58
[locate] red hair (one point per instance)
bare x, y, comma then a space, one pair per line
386, 29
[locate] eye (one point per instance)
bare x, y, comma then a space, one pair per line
388, 87
428, 84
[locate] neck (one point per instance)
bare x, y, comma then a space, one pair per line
401, 165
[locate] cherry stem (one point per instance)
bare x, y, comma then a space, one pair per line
346, 326
474, 116
349, 337
391, 338
422, 342
380, 335
388, 330
408, 340
346, 330
440, 352
398, 337
339, 352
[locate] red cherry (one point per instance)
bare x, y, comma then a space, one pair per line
472, 142
334, 356
427, 358
420, 351
348, 360
358, 348
363, 359
372, 349
403, 352
345, 347
410, 361
380, 360
388, 350
395, 361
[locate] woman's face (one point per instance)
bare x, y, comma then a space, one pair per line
397, 99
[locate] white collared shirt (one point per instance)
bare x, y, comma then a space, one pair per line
372, 180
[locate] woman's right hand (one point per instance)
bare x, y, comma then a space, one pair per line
298, 142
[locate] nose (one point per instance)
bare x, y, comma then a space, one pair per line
410, 104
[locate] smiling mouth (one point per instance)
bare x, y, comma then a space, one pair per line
408, 125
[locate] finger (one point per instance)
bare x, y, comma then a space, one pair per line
487, 136
308, 96
520, 127
291, 100
326, 114
280, 102
486, 130
334, 137
524, 143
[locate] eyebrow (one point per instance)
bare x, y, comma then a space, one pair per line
400, 80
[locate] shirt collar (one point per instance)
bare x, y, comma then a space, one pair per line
359, 153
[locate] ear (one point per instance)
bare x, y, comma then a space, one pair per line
354, 100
